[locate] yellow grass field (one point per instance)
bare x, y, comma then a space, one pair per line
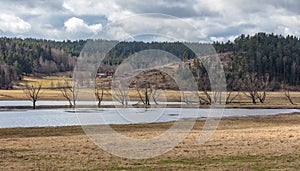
50, 83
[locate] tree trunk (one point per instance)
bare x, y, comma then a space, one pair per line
74, 103
33, 104
147, 100
287, 94
70, 103
253, 100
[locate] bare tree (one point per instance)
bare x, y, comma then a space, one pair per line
250, 86
155, 95
287, 94
204, 97
264, 85
120, 94
119, 90
69, 91
231, 96
146, 91
255, 87
99, 93
202, 80
33, 93
233, 84
101, 86
208, 93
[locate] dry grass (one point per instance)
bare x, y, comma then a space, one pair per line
274, 99
257, 143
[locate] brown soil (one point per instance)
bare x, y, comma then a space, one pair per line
254, 143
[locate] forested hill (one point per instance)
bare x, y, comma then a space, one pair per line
262, 53
19, 57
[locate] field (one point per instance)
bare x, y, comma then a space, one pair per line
255, 143
250, 143
273, 99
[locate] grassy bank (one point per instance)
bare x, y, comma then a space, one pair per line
51, 92
273, 99
255, 143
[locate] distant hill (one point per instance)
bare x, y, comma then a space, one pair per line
262, 53
20, 57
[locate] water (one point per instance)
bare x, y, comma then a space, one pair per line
66, 117
11, 103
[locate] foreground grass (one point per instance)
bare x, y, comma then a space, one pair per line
256, 143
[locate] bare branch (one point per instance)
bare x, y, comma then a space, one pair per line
33, 93
68, 91
101, 85
287, 94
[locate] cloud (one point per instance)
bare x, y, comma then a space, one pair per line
162, 27
13, 24
68, 7
75, 25
82, 19
107, 8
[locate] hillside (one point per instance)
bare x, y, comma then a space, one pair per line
261, 54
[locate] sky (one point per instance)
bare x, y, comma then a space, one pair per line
187, 20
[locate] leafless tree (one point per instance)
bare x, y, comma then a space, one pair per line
233, 84
208, 94
119, 90
210, 91
287, 94
33, 93
120, 94
203, 93
255, 86
264, 85
69, 91
101, 85
231, 96
202, 80
146, 91
155, 95
99, 93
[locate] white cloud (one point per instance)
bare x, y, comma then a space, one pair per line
159, 26
77, 25
68, 7
13, 24
108, 8
215, 19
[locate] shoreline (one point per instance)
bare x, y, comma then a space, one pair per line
158, 106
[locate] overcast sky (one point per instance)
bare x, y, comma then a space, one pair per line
82, 19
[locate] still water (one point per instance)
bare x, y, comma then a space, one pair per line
11, 103
10, 118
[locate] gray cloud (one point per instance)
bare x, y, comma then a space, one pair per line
215, 19
181, 9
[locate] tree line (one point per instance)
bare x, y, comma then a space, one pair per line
263, 56
19, 57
